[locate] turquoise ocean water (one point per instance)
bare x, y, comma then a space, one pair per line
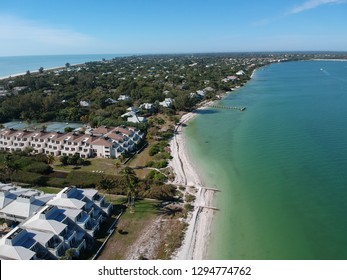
281, 165
11, 65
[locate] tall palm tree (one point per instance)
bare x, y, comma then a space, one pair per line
129, 179
117, 165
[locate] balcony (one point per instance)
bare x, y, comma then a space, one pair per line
106, 207
100, 219
91, 212
91, 227
56, 247
98, 198
83, 219
79, 246
69, 236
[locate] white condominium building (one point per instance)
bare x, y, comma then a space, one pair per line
48, 225
99, 142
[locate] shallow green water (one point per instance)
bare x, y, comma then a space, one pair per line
281, 164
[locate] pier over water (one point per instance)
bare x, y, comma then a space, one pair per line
228, 107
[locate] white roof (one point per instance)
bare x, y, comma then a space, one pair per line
4, 184
8, 252
167, 102
13, 189
40, 236
45, 197
133, 109
44, 225
71, 213
67, 203
6, 198
7, 187
128, 114
147, 106
84, 103
123, 97
22, 209
136, 119
89, 192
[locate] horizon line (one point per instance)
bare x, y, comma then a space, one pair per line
181, 53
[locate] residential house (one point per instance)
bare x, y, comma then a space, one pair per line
201, 93
167, 103
84, 103
123, 97
136, 119
110, 101
147, 106
229, 79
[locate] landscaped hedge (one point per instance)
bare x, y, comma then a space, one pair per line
29, 178
39, 167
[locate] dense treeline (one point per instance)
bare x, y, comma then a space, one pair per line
36, 170
56, 95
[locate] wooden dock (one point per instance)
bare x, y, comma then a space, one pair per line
211, 189
192, 186
228, 107
209, 207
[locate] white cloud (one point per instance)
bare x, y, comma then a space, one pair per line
311, 4
308, 5
19, 36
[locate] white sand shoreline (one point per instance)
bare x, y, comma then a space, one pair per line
197, 236
55, 68
196, 239
329, 59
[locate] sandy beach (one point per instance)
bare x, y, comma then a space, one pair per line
200, 219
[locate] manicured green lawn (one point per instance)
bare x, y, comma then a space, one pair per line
48, 189
97, 164
132, 225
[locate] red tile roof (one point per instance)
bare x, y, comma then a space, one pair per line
114, 136
123, 130
102, 142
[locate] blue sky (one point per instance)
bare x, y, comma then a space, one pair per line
170, 26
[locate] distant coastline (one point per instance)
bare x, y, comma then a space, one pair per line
329, 59
13, 66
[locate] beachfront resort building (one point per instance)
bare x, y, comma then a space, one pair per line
46, 225
104, 142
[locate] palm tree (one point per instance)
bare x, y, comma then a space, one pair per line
129, 179
106, 184
50, 159
121, 157
117, 165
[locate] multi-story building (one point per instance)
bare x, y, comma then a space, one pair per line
98, 142
48, 225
